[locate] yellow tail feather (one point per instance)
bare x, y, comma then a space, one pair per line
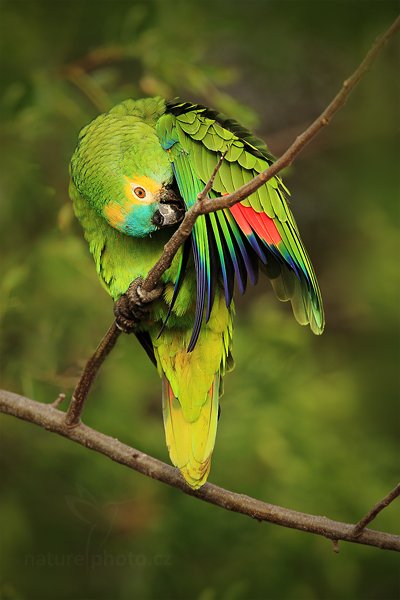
191, 443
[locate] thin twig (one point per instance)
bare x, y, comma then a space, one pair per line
375, 510
206, 205
88, 376
95, 59
90, 88
309, 134
210, 182
59, 400
52, 419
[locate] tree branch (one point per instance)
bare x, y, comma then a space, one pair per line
69, 426
206, 205
89, 374
376, 509
52, 419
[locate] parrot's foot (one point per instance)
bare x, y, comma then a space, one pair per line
133, 307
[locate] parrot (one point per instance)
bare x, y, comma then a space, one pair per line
135, 171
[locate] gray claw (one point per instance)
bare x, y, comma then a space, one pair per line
133, 307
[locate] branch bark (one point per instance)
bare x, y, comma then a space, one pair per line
69, 426
52, 419
89, 374
206, 205
376, 509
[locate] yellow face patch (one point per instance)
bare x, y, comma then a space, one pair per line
114, 213
144, 185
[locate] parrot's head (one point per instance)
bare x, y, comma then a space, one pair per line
121, 170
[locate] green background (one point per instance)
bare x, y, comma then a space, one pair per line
309, 423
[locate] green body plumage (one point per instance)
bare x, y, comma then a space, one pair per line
124, 162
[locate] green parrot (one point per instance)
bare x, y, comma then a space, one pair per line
134, 172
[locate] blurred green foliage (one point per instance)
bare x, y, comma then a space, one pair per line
309, 423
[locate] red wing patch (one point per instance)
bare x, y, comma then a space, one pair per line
249, 220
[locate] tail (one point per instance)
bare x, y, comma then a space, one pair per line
191, 443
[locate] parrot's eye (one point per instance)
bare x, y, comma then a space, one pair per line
139, 192
142, 189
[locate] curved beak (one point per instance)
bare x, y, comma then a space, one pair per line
170, 211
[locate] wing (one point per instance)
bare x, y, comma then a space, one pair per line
260, 231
